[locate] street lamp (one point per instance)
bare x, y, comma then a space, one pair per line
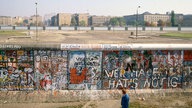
36, 21
137, 21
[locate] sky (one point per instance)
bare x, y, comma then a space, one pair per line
93, 7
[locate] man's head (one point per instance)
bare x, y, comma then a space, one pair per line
123, 91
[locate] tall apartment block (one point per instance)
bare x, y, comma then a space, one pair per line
5, 21
63, 19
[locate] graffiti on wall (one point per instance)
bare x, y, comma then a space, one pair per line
110, 68
93, 64
16, 69
187, 68
94, 70
50, 69
77, 69
144, 69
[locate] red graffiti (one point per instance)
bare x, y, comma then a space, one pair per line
45, 81
187, 55
77, 79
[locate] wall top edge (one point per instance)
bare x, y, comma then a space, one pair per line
100, 47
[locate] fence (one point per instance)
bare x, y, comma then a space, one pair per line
98, 28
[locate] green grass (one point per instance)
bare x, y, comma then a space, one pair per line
141, 105
178, 35
11, 33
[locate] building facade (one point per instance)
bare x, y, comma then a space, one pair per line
82, 19
99, 20
187, 21
63, 19
47, 19
17, 20
32, 20
5, 21
152, 18
155, 17
54, 21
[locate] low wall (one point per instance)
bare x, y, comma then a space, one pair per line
83, 95
98, 28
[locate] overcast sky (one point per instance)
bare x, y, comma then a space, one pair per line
94, 7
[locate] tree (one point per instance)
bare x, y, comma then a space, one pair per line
117, 21
82, 23
161, 23
73, 21
168, 23
172, 18
114, 22
106, 23
121, 21
25, 22
147, 24
32, 24
153, 24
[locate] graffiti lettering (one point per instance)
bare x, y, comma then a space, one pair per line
113, 73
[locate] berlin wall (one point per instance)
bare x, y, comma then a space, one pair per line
46, 69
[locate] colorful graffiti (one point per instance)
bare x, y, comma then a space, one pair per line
93, 64
16, 70
50, 69
110, 68
94, 70
85, 70
77, 69
144, 69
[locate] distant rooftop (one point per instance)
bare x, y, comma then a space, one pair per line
5, 16
147, 13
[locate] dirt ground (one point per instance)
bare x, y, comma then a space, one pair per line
163, 100
90, 37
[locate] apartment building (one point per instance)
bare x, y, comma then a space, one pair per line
99, 20
17, 20
32, 20
155, 17
63, 19
47, 19
54, 21
152, 18
5, 21
82, 19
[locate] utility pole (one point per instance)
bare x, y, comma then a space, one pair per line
137, 21
36, 23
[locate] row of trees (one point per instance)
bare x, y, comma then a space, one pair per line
117, 21
120, 21
159, 23
74, 22
26, 23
